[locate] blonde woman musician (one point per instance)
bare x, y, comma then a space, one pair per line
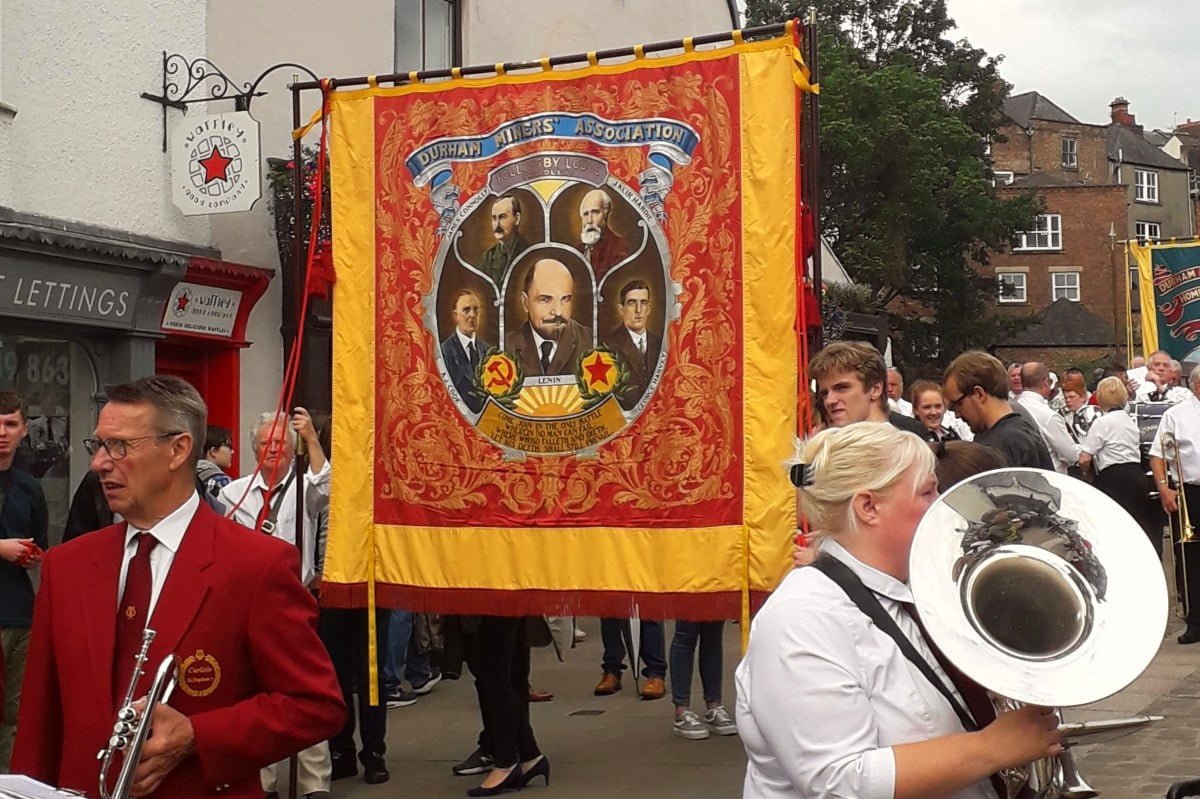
829, 703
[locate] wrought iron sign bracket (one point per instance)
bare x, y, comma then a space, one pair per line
183, 83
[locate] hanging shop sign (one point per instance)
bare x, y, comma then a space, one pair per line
215, 163
207, 310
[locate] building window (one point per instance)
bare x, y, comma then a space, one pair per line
1047, 235
1012, 287
1145, 186
1002, 178
1070, 152
1064, 286
1147, 231
427, 35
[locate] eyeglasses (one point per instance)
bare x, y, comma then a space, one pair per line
118, 448
953, 404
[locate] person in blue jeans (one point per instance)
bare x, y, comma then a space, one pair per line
651, 647
689, 725
404, 662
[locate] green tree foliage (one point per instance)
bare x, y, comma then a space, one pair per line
906, 194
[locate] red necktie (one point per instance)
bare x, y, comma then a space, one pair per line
133, 613
264, 510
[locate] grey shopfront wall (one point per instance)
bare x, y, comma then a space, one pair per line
78, 311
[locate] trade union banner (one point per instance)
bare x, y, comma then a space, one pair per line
565, 344
1171, 310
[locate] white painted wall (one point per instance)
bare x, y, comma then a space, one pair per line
83, 145
244, 38
518, 30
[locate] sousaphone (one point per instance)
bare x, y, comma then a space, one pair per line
1044, 591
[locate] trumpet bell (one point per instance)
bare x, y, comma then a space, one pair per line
1039, 587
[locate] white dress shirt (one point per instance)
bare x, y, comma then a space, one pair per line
1064, 451
316, 498
169, 533
467, 341
1113, 438
901, 406
823, 694
537, 343
639, 340
1174, 394
1184, 421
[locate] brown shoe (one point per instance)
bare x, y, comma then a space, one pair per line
540, 696
653, 688
609, 684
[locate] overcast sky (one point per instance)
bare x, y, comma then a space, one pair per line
1083, 53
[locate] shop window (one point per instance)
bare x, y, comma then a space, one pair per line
58, 382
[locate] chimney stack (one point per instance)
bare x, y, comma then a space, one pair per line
1120, 113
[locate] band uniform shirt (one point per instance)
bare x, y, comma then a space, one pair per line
1183, 420
1113, 439
823, 694
1173, 394
169, 534
316, 498
1064, 452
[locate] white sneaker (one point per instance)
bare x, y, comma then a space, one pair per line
718, 721
688, 725
579, 635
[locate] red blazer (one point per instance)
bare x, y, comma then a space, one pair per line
255, 680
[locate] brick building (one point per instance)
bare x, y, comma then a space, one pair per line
1099, 184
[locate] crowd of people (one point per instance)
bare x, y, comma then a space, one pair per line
827, 702
154, 517
841, 693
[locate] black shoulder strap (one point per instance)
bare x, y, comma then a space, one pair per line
269, 522
869, 604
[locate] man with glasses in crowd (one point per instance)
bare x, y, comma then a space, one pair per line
255, 685
976, 388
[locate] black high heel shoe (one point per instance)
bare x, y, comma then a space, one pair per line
512, 782
539, 769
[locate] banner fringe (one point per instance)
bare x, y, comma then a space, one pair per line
535, 602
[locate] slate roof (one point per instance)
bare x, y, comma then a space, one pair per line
1021, 108
1129, 146
40, 232
1064, 324
1157, 137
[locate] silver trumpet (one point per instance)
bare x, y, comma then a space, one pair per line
1044, 591
131, 728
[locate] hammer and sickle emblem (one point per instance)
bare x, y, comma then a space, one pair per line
502, 371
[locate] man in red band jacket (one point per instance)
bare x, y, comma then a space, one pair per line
255, 684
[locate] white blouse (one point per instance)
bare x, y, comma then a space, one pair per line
823, 694
1112, 439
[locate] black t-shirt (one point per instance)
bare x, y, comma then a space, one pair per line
908, 423
1018, 441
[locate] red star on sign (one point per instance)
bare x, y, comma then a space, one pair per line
216, 166
182, 303
597, 370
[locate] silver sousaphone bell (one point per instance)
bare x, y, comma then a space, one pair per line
1044, 591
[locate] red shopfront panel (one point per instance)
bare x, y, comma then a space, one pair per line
214, 371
